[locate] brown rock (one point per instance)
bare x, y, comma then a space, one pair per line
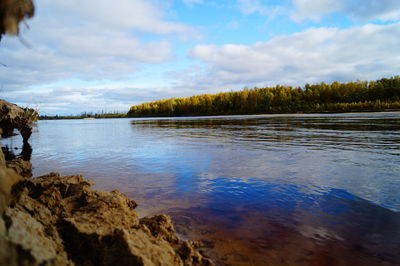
8, 178
161, 226
31, 239
8, 253
14, 117
56, 220
11, 117
191, 256
21, 167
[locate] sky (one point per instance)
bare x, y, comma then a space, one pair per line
106, 55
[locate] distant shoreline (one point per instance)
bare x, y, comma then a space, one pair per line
219, 115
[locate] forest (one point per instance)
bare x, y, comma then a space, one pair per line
84, 115
359, 96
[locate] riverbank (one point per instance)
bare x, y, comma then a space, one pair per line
388, 111
55, 220
224, 115
92, 116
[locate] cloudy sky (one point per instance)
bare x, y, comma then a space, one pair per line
106, 55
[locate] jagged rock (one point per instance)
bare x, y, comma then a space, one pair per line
8, 178
56, 220
161, 226
31, 239
2, 158
21, 167
8, 253
12, 116
190, 254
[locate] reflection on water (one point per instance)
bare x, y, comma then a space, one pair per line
274, 189
319, 132
280, 224
11, 153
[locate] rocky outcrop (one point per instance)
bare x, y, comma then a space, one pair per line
14, 117
54, 220
20, 166
8, 178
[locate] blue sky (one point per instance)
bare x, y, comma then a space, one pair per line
96, 55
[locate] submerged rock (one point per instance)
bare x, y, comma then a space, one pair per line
54, 220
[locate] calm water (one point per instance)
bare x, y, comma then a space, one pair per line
257, 190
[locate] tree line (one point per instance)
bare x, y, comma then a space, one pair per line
379, 95
84, 115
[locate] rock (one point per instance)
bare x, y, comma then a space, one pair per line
191, 256
8, 253
21, 167
11, 117
14, 117
8, 178
33, 245
54, 220
2, 158
161, 226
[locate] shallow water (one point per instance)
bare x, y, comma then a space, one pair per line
258, 190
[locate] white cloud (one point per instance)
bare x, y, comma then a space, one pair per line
88, 40
315, 9
83, 54
384, 10
314, 55
261, 7
77, 99
364, 10
129, 14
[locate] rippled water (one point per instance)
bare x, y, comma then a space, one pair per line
257, 190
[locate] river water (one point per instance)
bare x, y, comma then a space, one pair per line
256, 190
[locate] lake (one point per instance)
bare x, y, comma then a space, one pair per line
256, 190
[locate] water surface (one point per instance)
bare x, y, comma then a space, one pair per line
257, 190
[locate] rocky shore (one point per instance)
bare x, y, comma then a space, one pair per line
55, 220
